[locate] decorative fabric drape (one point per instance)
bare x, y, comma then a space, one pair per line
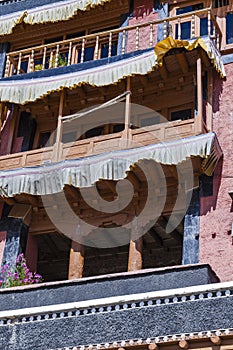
205, 43
84, 172
57, 11
22, 91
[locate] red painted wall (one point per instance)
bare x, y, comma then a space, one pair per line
216, 243
143, 12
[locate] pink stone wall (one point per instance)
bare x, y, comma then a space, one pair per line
143, 12
216, 242
2, 244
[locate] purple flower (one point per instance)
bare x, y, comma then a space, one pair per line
16, 275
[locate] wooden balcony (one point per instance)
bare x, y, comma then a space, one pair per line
113, 42
96, 145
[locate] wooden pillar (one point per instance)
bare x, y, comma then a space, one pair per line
209, 116
127, 108
76, 261
59, 126
135, 254
135, 247
199, 117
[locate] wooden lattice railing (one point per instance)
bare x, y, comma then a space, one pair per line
112, 42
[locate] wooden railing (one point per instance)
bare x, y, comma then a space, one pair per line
99, 144
111, 42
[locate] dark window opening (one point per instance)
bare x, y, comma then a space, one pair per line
229, 28
53, 256
186, 26
53, 40
95, 132
219, 3
75, 35
181, 115
26, 130
118, 128
105, 261
69, 137
44, 139
150, 121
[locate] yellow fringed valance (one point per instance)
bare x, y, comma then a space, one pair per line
84, 172
60, 12
54, 12
206, 44
23, 91
7, 23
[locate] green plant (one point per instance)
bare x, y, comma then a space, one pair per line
38, 67
61, 61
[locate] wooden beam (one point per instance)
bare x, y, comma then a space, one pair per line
111, 185
153, 346
205, 59
158, 240
135, 255
163, 72
12, 128
209, 116
183, 344
135, 247
59, 126
162, 222
9, 201
181, 58
76, 264
216, 340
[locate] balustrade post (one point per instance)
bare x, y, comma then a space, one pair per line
56, 57
164, 29
51, 60
110, 45
19, 63
123, 42
209, 23
31, 67
7, 68
82, 50
69, 53
193, 27
151, 35
127, 109
179, 29
96, 48
44, 58
137, 38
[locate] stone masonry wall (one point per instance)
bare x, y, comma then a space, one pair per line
143, 12
216, 242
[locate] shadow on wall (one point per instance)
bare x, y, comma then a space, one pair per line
217, 91
209, 188
209, 185
141, 9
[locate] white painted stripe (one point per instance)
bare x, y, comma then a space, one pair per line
116, 300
